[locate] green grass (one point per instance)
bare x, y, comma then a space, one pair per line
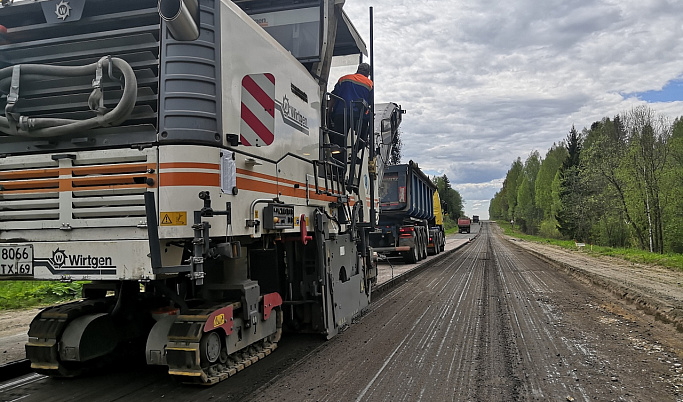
673, 261
26, 294
451, 231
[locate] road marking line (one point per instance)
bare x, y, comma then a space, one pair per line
22, 381
386, 362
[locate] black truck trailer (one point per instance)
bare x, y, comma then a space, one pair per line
407, 224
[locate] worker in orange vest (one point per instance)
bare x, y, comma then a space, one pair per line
350, 88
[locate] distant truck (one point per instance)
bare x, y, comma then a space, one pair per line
407, 223
464, 225
475, 218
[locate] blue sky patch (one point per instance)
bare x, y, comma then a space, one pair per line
672, 91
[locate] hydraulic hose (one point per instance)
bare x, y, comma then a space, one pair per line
38, 127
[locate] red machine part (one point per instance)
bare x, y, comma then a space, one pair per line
164, 311
221, 318
304, 230
270, 301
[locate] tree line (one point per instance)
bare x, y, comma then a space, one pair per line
452, 203
618, 183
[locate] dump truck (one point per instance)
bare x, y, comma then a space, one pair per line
464, 224
405, 211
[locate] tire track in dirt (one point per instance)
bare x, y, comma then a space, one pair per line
497, 379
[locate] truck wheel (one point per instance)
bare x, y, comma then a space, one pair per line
425, 241
411, 257
418, 246
422, 245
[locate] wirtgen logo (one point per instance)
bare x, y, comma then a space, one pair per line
64, 263
60, 259
63, 10
292, 116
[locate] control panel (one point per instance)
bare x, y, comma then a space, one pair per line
278, 217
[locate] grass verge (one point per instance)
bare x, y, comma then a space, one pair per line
669, 260
26, 294
451, 231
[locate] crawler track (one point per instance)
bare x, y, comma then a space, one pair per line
190, 354
47, 328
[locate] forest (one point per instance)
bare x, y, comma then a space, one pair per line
616, 184
452, 203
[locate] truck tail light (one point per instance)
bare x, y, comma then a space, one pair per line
406, 231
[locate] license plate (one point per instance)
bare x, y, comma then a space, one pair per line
16, 260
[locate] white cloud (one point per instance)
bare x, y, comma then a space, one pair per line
485, 82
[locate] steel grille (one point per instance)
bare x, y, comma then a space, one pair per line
91, 191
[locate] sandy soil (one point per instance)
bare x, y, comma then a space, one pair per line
13, 333
656, 290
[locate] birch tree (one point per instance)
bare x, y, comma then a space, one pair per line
605, 157
648, 137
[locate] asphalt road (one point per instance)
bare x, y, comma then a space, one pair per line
492, 323
489, 322
390, 267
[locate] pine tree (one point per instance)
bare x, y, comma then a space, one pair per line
570, 218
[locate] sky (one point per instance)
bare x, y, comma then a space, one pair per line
485, 82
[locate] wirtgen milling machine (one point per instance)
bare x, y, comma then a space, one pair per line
175, 155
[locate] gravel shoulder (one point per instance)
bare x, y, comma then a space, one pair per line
656, 290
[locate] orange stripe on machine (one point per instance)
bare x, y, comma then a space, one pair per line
255, 181
189, 179
121, 176
189, 165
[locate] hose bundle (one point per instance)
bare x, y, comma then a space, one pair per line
36, 127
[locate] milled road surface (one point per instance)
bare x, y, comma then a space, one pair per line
490, 322
493, 323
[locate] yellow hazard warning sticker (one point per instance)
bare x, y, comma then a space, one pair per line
173, 218
297, 221
218, 320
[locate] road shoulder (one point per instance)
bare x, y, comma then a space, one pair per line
656, 290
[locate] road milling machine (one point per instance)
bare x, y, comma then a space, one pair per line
175, 155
